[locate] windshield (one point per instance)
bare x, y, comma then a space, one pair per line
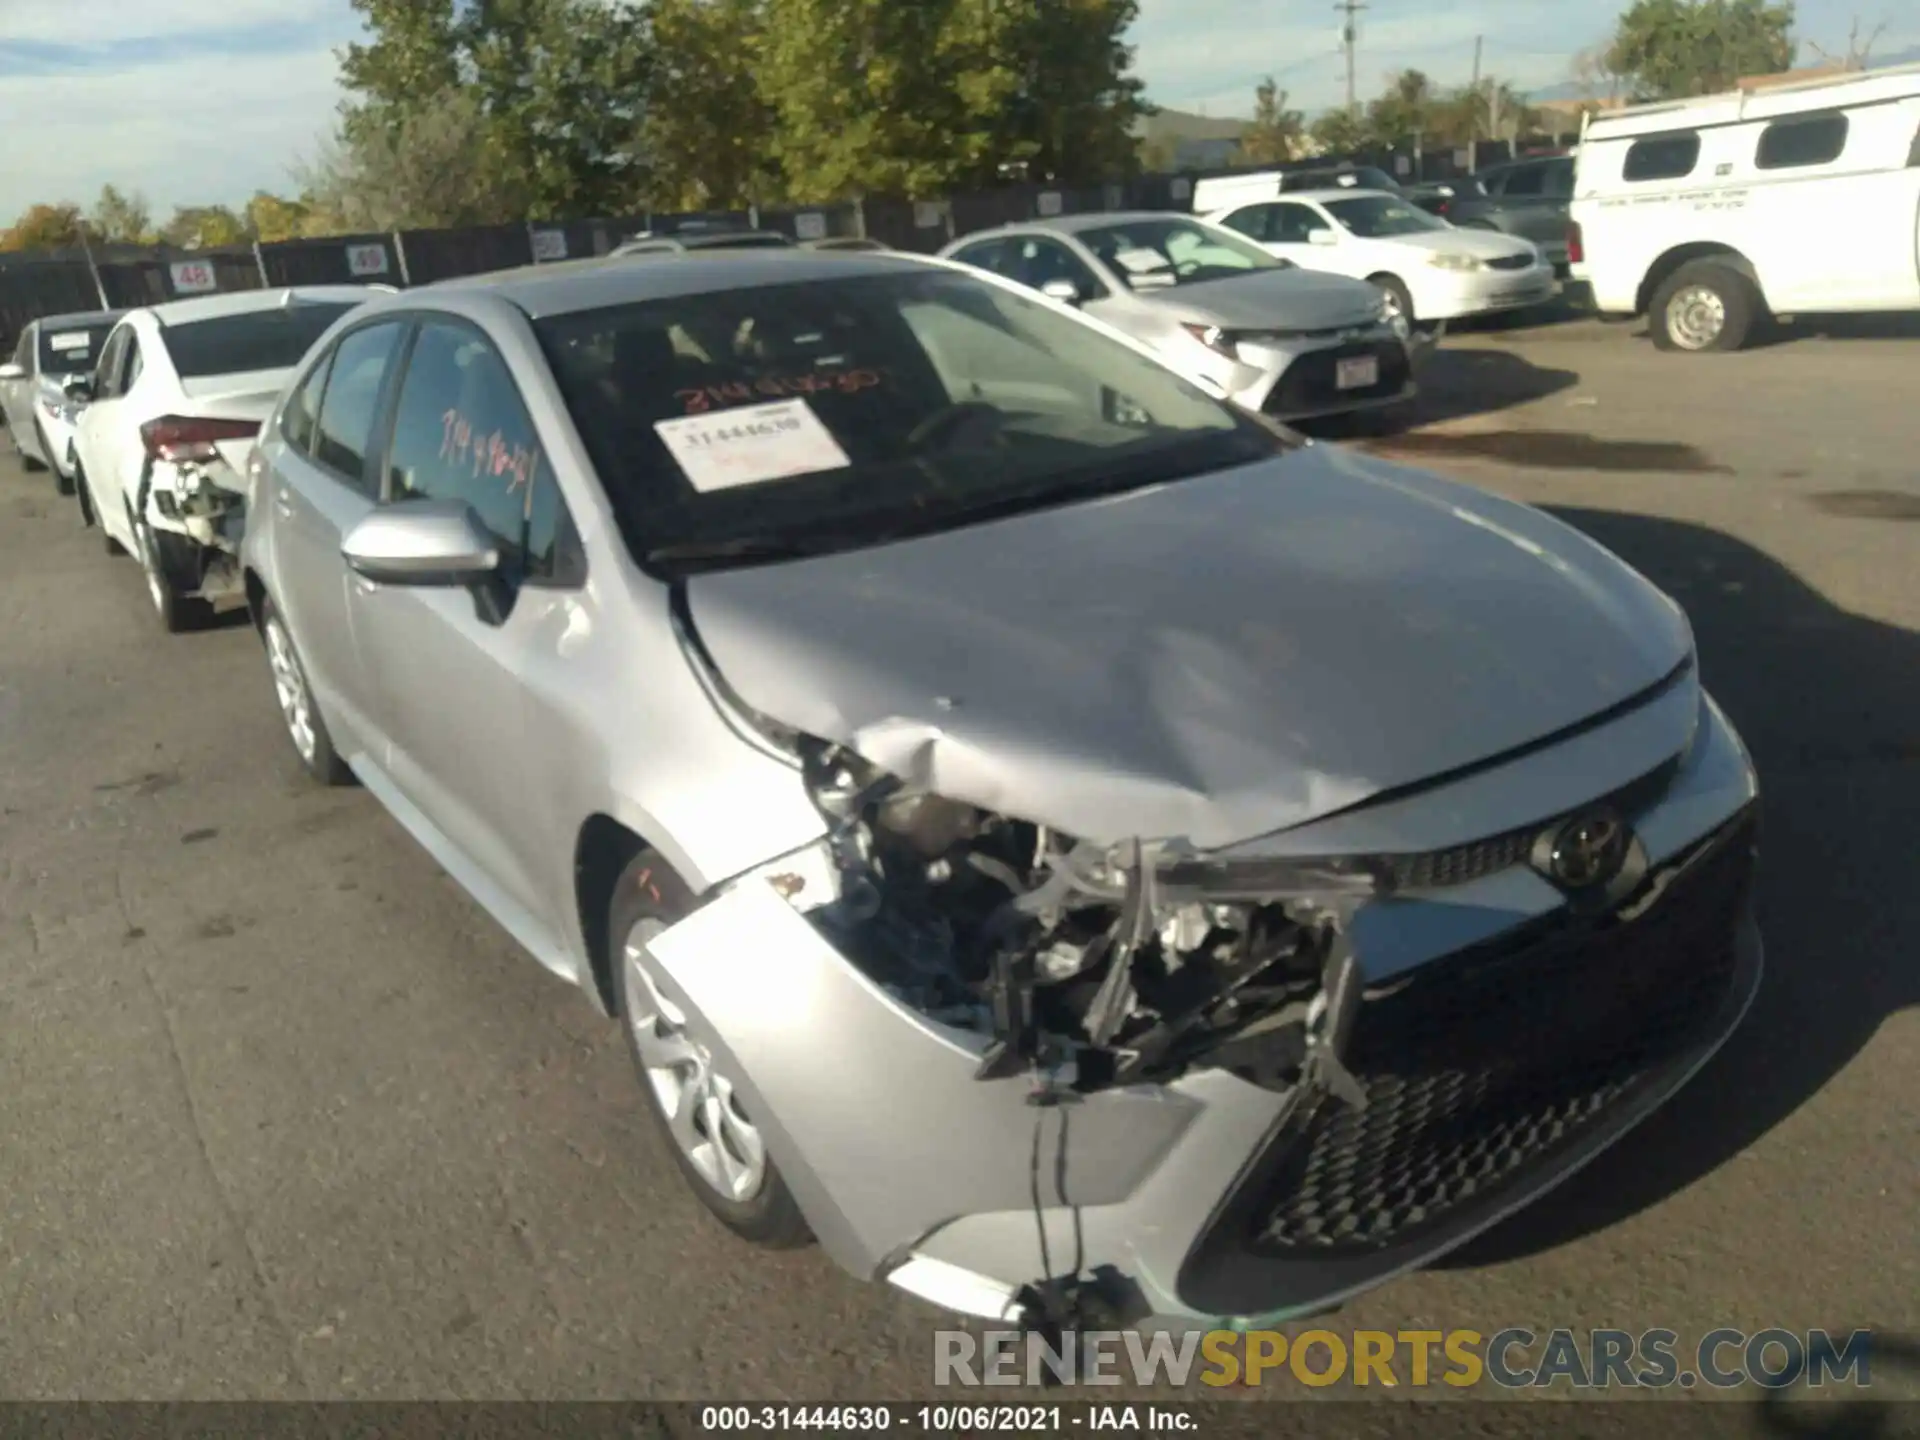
273, 339
1152, 254
795, 418
72, 350
1375, 217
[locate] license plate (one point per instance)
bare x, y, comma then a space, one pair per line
1357, 373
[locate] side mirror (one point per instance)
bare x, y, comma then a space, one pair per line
423, 543
11, 371
1322, 236
1065, 291
79, 389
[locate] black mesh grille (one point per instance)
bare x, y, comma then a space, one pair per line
1311, 382
1480, 1069
1510, 262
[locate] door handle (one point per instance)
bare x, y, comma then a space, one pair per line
283, 501
363, 585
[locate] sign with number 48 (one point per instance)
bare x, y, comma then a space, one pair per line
366, 259
193, 277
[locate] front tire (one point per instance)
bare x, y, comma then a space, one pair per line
298, 713
1399, 299
27, 462
1705, 306
696, 1106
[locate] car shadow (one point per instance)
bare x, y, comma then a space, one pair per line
1455, 383
1825, 700
1894, 326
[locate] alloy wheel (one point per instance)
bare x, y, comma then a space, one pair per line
290, 686
701, 1105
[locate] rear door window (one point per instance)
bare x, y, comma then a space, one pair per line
298, 420
355, 383
1662, 157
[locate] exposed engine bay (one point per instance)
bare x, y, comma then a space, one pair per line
1127, 965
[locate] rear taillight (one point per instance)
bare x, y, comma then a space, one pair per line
177, 438
1576, 252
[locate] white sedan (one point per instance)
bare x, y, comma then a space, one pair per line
1429, 270
171, 414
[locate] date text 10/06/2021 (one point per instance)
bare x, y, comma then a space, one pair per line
908, 1419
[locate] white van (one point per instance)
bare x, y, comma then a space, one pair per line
1710, 215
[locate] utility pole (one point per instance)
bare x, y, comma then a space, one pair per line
1473, 110
1349, 9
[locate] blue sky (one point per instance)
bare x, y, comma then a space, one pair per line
192, 101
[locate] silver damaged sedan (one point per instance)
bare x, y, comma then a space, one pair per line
1064, 843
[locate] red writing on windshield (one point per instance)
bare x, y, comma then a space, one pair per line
461, 443
777, 387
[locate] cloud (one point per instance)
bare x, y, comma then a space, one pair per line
190, 131
187, 101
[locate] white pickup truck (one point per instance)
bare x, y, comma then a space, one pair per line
1711, 216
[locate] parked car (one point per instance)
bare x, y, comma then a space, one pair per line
170, 415
1428, 270
33, 387
683, 242
1226, 192
1437, 197
1529, 198
916, 711
1272, 336
1710, 216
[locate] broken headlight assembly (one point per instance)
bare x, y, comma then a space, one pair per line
1120, 963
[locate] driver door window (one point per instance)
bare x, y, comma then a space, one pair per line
1256, 222
1294, 224
462, 433
1033, 261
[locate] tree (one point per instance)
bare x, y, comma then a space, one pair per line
1405, 111
1668, 49
435, 165
1339, 133
45, 227
268, 218
885, 96
1074, 101
556, 86
710, 144
122, 219
1277, 134
196, 227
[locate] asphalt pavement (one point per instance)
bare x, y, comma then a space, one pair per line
284, 1115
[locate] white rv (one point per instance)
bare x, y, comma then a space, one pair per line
1709, 216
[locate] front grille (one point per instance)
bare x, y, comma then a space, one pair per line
1309, 384
1481, 1069
1511, 262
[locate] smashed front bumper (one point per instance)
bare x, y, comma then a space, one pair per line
1501, 1041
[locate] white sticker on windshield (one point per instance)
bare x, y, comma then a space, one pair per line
751, 445
72, 340
1140, 262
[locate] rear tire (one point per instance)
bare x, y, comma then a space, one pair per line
165, 558
649, 898
84, 496
90, 509
298, 712
1706, 306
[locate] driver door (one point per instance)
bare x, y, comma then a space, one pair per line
97, 439
1290, 229
16, 395
454, 691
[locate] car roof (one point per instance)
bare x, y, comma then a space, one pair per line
1079, 224
1343, 192
567, 286
78, 317
244, 302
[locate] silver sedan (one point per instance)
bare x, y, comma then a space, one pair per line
1288, 342
1063, 842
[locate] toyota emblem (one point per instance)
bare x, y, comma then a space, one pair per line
1588, 850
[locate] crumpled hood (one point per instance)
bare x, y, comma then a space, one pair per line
1291, 299
1214, 659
